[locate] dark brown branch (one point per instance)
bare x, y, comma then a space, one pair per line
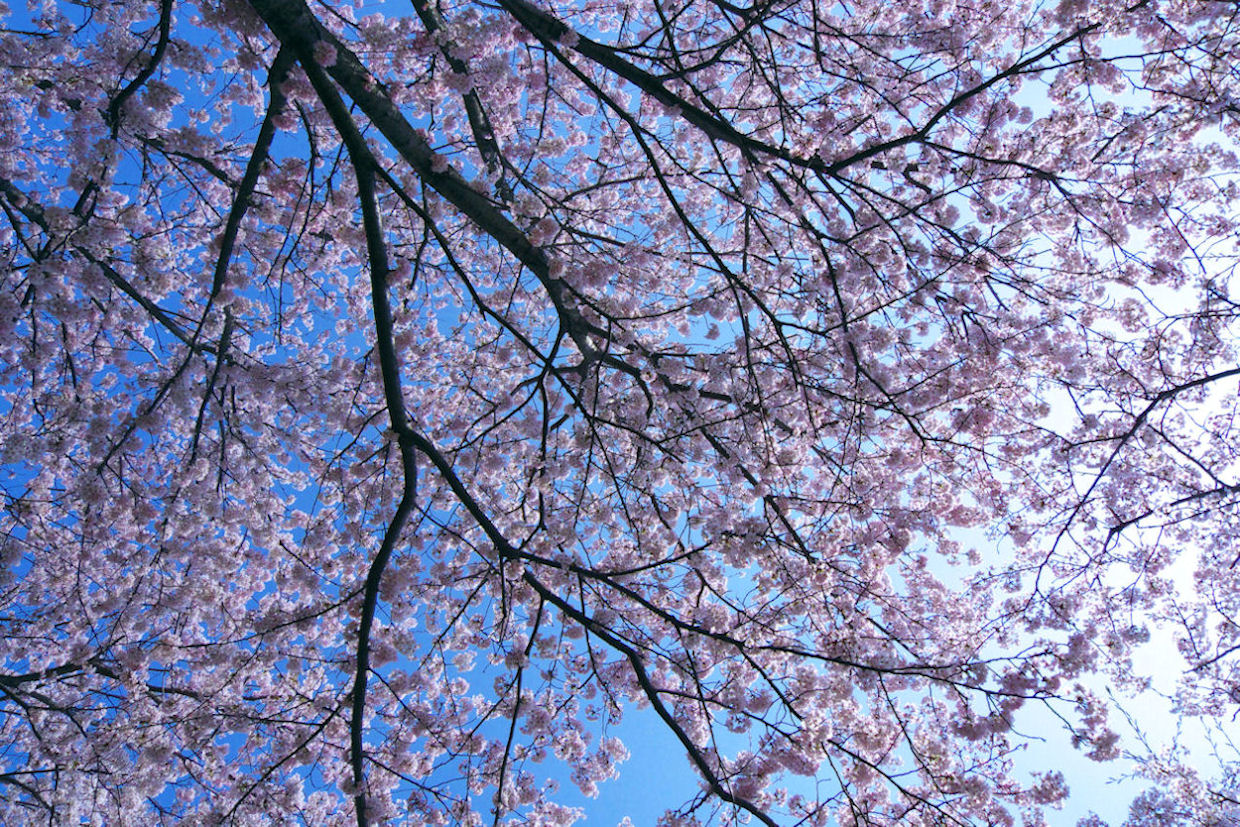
479, 121
161, 46
364, 167
258, 157
34, 212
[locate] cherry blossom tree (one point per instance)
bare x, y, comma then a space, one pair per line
396, 396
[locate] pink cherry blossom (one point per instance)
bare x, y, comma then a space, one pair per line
393, 403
